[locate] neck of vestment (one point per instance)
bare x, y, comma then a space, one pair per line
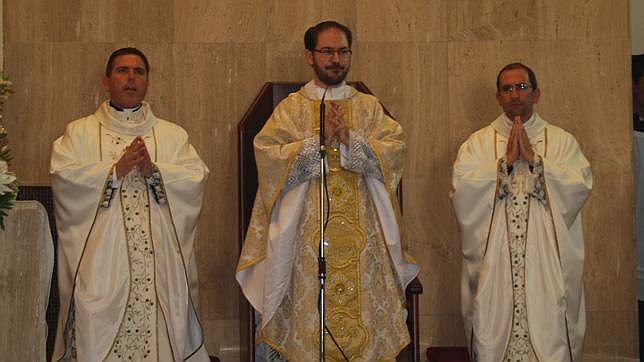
341, 91
132, 122
533, 126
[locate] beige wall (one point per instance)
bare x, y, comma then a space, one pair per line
433, 64
637, 26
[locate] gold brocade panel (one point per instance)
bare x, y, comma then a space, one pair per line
346, 240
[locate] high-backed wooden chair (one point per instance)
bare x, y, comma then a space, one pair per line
252, 122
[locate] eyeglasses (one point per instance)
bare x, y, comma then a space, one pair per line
329, 52
509, 88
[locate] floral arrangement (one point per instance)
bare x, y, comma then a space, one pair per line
8, 181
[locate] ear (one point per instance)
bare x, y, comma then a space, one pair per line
536, 95
308, 55
498, 98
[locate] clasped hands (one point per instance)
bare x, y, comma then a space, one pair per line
334, 125
519, 144
135, 156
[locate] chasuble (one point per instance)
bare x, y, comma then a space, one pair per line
523, 249
367, 269
127, 272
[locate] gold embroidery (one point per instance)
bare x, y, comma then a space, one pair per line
346, 241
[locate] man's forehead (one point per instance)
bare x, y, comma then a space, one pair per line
129, 60
332, 35
512, 75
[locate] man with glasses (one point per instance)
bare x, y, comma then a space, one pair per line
367, 271
518, 188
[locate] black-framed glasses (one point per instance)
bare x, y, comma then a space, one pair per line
329, 52
509, 88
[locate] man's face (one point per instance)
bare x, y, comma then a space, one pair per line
514, 100
128, 81
331, 68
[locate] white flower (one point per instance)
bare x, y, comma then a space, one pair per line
6, 178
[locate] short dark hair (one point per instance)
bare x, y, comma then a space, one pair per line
125, 51
531, 77
637, 68
311, 35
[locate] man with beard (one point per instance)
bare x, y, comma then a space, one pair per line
518, 188
367, 270
128, 188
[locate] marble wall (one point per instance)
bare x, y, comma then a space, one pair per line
432, 63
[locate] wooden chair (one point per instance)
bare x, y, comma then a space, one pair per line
252, 122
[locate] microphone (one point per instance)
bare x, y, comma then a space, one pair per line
322, 110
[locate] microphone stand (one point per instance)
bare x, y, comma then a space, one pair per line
321, 259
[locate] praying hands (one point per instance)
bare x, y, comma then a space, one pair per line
135, 155
519, 144
334, 125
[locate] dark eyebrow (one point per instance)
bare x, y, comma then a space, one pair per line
125, 67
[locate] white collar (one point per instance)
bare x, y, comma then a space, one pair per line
140, 122
340, 91
134, 115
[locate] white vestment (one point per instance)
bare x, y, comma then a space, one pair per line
126, 249
553, 256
